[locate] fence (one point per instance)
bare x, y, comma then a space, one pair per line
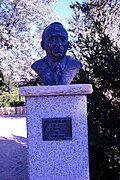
12, 110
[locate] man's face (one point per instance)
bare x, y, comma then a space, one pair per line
56, 43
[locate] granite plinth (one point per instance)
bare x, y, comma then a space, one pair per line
64, 159
76, 89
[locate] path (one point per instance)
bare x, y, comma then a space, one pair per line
13, 151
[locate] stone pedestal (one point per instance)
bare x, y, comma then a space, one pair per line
57, 131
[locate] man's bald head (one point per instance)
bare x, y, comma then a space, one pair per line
55, 26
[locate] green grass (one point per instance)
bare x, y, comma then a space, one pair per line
11, 99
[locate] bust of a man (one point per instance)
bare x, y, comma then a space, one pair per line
56, 68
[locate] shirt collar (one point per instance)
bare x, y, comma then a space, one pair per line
52, 63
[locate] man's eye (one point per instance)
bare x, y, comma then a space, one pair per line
63, 38
52, 39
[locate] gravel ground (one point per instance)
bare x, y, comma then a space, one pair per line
13, 148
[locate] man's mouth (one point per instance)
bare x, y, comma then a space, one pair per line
58, 51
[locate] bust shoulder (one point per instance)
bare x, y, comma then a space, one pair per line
39, 64
73, 63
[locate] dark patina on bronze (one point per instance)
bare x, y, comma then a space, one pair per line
56, 68
56, 129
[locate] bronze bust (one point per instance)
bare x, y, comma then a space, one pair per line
56, 68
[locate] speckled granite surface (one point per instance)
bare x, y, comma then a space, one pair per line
64, 159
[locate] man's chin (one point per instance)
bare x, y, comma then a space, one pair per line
58, 56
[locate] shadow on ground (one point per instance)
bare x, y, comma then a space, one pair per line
13, 158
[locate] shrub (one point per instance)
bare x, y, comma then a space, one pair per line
11, 100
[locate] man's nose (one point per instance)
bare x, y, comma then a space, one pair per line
59, 42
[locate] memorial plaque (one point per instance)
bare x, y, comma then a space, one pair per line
56, 129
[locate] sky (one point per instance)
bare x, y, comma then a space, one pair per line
62, 8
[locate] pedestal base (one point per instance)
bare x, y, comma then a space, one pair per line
57, 159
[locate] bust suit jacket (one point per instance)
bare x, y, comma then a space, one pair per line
42, 68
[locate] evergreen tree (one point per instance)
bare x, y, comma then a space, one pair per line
101, 64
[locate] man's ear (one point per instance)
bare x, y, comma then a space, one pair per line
68, 45
42, 45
